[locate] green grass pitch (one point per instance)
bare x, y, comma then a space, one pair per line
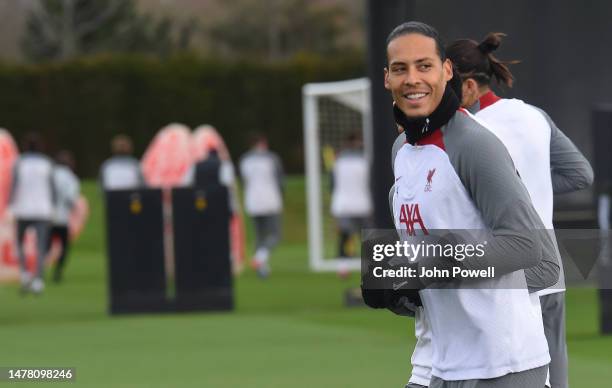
288, 331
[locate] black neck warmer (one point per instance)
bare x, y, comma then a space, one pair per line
418, 127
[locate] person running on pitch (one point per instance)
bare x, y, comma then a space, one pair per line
263, 179
547, 161
351, 202
68, 189
32, 202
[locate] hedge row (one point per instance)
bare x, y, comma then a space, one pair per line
80, 105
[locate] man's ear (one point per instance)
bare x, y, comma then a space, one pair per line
472, 85
447, 68
387, 84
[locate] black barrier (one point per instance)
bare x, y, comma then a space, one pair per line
602, 142
135, 249
135, 235
202, 248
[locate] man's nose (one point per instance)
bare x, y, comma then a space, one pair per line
411, 78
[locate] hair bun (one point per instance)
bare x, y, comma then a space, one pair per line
491, 42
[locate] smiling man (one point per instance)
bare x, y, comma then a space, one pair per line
460, 176
416, 76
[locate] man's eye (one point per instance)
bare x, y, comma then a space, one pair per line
398, 70
424, 67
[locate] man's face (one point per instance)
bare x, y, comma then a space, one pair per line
262, 144
416, 75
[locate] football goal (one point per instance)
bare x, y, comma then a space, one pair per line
332, 111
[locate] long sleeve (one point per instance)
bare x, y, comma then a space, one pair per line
73, 190
279, 172
242, 168
570, 170
488, 174
54, 189
141, 179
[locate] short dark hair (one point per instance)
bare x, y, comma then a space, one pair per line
65, 158
33, 142
414, 27
121, 145
257, 137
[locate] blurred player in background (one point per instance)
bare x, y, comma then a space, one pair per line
207, 142
351, 202
208, 171
32, 202
68, 189
209, 146
263, 179
547, 161
121, 171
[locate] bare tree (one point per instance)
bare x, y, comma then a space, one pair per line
57, 27
276, 29
64, 29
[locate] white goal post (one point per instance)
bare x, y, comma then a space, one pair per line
330, 110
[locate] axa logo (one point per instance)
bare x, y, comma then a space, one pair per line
430, 175
409, 216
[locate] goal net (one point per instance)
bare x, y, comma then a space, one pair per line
332, 111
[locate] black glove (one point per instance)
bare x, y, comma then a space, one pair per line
394, 299
401, 298
390, 299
